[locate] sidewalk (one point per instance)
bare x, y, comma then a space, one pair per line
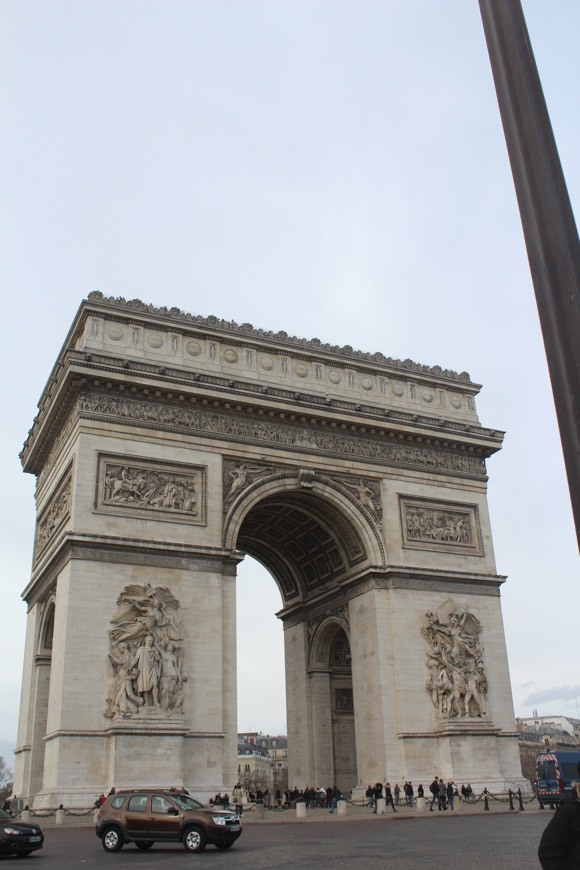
353, 813
365, 813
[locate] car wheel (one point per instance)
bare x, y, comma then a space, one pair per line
144, 844
112, 839
225, 845
194, 840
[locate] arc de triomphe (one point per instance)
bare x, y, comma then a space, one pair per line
166, 447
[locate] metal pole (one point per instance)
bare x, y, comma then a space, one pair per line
546, 214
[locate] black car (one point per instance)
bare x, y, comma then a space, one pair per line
18, 838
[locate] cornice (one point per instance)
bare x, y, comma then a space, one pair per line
146, 380
229, 328
128, 551
393, 577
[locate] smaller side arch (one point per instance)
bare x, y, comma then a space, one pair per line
46, 632
321, 640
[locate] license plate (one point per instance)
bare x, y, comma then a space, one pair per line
34, 839
234, 827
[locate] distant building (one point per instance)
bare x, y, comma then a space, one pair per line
262, 761
545, 734
564, 723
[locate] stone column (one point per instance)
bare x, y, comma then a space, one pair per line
374, 687
321, 723
300, 762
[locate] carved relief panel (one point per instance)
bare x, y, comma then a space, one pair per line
146, 654
150, 489
54, 515
456, 681
433, 525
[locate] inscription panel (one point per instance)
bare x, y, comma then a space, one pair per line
147, 488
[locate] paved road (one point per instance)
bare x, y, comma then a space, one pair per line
501, 842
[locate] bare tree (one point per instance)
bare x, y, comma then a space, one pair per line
5, 781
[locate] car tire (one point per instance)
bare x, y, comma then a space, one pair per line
194, 839
143, 845
112, 839
225, 845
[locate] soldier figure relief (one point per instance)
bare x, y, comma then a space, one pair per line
456, 683
145, 653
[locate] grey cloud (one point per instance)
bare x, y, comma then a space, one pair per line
556, 693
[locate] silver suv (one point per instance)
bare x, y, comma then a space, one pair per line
148, 816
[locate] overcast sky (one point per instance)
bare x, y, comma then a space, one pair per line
332, 168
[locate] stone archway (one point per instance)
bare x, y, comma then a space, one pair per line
303, 531
167, 446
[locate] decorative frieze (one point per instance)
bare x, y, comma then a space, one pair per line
130, 486
434, 525
54, 515
246, 429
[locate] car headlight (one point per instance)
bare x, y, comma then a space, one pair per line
219, 820
9, 830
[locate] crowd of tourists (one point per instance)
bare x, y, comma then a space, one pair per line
442, 794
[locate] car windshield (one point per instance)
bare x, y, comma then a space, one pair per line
185, 802
5, 815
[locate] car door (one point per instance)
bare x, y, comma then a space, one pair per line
136, 816
165, 821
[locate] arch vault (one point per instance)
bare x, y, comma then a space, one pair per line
166, 447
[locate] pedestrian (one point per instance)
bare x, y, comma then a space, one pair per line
369, 796
442, 795
410, 793
560, 844
397, 793
377, 794
434, 789
238, 798
336, 797
389, 796
420, 792
450, 795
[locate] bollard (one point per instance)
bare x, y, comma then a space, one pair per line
25, 815
301, 810
60, 816
96, 812
420, 805
259, 811
485, 801
511, 800
381, 806
341, 806
521, 806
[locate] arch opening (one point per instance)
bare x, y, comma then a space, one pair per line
310, 547
305, 541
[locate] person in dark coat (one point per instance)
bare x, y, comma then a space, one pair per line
560, 844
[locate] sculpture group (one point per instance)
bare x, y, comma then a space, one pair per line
457, 682
145, 653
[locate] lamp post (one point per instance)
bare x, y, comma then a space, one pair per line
546, 213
